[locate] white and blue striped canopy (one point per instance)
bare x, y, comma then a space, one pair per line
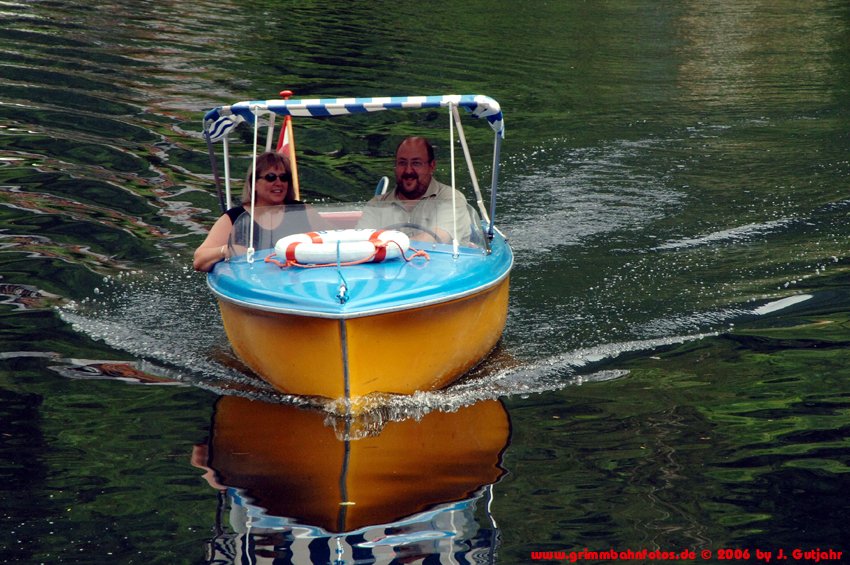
219, 121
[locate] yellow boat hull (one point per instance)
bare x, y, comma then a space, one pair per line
424, 348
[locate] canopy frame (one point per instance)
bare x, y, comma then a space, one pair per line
221, 121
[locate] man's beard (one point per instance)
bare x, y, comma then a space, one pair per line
408, 176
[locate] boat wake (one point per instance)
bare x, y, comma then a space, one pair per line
170, 324
581, 195
731, 235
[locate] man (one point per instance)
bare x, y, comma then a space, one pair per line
419, 200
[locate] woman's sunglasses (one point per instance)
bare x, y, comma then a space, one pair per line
271, 177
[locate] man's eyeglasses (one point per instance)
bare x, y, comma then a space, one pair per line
415, 164
284, 177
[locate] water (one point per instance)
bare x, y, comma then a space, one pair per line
674, 368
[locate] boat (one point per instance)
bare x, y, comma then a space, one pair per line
350, 328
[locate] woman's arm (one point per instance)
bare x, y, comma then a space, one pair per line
214, 247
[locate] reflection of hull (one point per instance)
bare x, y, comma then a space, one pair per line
402, 327
298, 468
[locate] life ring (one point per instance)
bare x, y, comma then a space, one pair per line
342, 246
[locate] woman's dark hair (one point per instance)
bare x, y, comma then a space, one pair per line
266, 161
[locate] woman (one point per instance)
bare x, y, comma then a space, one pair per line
273, 187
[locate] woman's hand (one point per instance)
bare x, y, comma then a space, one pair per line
214, 247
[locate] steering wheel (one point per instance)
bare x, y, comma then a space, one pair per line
414, 226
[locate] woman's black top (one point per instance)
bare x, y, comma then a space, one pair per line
294, 220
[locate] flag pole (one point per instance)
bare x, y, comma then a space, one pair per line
286, 144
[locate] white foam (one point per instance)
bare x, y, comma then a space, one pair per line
781, 304
740, 233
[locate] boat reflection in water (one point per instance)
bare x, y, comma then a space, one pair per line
304, 487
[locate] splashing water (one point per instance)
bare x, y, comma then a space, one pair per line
167, 319
170, 322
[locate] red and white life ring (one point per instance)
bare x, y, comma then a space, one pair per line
344, 246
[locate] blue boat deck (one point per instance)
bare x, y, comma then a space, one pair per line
370, 288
